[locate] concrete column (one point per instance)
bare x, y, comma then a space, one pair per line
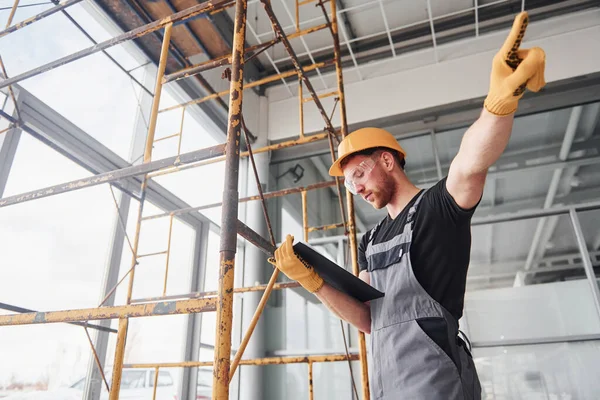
255, 269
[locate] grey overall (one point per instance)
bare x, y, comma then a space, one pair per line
405, 362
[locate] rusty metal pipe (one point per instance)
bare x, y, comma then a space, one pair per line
311, 395
301, 105
37, 17
168, 256
325, 227
321, 96
255, 361
305, 215
133, 34
351, 229
116, 175
197, 295
222, 354
9, 307
112, 312
253, 237
180, 131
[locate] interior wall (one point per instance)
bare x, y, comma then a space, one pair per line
415, 82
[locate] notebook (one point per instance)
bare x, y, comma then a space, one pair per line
337, 276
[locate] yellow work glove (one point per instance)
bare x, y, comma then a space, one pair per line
288, 263
513, 70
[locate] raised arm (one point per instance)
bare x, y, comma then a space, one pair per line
346, 307
513, 70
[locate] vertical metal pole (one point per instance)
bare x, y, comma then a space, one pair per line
12, 14
230, 211
362, 346
168, 255
297, 16
585, 257
311, 395
181, 131
301, 106
124, 322
155, 383
305, 215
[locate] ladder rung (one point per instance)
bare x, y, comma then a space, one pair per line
326, 227
320, 96
167, 137
152, 254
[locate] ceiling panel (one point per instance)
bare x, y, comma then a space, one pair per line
367, 20
443, 7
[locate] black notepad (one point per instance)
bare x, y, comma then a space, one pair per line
337, 276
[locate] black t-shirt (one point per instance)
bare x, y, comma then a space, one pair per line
440, 248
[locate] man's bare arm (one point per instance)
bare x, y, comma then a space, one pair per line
481, 146
346, 307
513, 70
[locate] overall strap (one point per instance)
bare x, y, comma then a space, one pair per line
413, 209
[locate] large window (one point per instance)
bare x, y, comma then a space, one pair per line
93, 93
54, 255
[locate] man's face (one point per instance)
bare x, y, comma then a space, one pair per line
365, 176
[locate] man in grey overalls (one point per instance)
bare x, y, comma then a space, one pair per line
419, 254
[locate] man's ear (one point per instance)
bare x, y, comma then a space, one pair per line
388, 160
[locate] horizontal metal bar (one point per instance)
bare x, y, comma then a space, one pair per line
152, 254
321, 96
254, 238
12, 308
267, 195
303, 2
291, 143
116, 175
249, 85
547, 212
133, 34
196, 295
534, 341
256, 361
126, 311
42, 15
325, 227
167, 137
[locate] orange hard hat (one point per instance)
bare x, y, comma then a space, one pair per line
362, 139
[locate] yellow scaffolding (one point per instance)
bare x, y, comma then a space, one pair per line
220, 301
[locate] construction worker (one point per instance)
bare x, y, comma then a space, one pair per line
418, 254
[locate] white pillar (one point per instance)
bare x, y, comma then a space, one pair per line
256, 269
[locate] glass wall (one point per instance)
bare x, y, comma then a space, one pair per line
111, 98
54, 254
